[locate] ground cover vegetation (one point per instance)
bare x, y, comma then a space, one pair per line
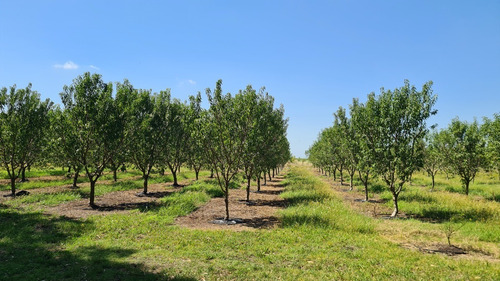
320, 237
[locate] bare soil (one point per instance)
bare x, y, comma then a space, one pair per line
260, 213
113, 202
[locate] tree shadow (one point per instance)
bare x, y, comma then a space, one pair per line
262, 222
32, 247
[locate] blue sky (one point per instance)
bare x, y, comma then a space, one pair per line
312, 56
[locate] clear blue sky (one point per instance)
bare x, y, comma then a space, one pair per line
312, 56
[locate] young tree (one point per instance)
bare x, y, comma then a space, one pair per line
96, 121
364, 156
466, 150
227, 131
66, 143
24, 122
395, 127
433, 155
196, 156
491, 129
177, 137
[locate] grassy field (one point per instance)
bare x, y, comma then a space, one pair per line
321, 238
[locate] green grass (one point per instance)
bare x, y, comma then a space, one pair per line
321, 238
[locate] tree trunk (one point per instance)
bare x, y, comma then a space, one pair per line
395, 201
92, 194
162, 171
258, 183
248, 188
334, 174
196, 172
432, 176
341, 176
13, 186
467, 182
273, 172
75, 177
23, 175
145, 177
174, 174
351, 184
226, 200
265, 179
211, 173
269, 173
115, 177
366, 190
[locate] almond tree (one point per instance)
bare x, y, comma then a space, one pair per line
24, 122
226, 128
96, 121
398, 125
465, 151
491, 129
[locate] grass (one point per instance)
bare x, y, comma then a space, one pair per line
321, 238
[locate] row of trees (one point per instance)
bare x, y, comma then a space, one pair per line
382, 137
388, 137
463, 149
95, 130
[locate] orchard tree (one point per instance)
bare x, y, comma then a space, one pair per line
195, 156
95, 120
433, 155
177, 137
465, 150
396, 125
364, 157
491, 129
227, 131
24, 122
145, 138
66, 143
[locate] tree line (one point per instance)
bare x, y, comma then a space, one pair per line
388, 137
96, 129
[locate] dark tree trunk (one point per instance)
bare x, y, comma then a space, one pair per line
162, 171
334, 174
248, 188
351, 183
366, 191
115, 177
265, 179
269, 173
258, 183
467, 182
75, 177
23, 175
13, 186
92, 194
174, 175
145, 178
273, 172
226, 200
196, 172
432, 176
211, 173
341, 176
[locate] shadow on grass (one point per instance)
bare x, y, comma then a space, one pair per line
32, 248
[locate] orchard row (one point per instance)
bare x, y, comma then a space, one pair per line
96, 129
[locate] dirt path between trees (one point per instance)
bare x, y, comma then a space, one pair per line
261, 213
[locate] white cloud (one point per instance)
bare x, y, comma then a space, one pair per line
67, 65
94, 67
191, 82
